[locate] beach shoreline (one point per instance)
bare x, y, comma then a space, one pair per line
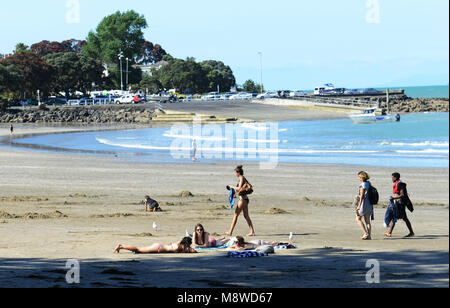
59, 206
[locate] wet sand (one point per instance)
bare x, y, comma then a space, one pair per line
55, 207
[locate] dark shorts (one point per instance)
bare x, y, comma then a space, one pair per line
400, 211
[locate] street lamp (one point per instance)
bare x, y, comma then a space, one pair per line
120, 55
128, 60
261, 60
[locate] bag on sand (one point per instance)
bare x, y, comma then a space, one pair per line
266, 249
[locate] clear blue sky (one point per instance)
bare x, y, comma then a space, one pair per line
304, 43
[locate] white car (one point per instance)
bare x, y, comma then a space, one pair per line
73, 102
267, 95
125, 99
242, 95
298, 94
211, 96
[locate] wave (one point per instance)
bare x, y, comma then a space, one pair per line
418, 144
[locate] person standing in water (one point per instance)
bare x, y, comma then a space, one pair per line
243, 201
11, 129
194, 149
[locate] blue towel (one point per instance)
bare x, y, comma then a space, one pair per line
212, 248
391, 214
246, 254
232, 198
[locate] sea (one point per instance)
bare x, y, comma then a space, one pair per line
418, 140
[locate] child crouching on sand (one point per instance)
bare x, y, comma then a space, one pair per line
151, 205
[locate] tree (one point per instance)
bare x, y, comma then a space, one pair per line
9, 83
183, 75
35, 72
73, 72
250, 86
150, 54
119, 31
218, 74
151, 83
21, 48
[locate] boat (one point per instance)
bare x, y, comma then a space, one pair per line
369, 116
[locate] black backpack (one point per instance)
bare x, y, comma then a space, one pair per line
374, 196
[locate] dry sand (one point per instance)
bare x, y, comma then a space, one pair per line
55, 207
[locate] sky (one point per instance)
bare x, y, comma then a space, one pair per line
351, 43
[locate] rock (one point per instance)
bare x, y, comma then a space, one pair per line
186, 194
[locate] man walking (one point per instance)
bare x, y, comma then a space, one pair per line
399, 203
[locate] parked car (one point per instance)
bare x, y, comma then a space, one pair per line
211, 96
125, 99
267, 95
55, 101
86, 102
298, 94
73, 102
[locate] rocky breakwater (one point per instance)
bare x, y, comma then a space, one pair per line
409, 105
80, 115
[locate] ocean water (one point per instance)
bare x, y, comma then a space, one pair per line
427, 91
419, 140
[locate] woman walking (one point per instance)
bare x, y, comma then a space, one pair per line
364, 207
242, 190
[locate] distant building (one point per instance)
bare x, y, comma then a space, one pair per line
147, 69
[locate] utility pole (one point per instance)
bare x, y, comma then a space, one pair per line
120, 55
127, 72
261, 60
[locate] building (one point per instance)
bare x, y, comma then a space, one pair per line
147, 69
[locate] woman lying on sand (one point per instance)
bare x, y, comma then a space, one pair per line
203, 240
241, 244
182, 247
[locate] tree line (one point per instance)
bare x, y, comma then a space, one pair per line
83, 65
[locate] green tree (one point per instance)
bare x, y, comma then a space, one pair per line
250, 86
218, 73
9, 84
74, 72
151, 83
35, 72
119, 31
21, 48
184, 75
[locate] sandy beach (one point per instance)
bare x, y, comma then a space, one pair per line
56, 206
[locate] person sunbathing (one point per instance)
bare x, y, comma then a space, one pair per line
202, 239
181, 247
240, 244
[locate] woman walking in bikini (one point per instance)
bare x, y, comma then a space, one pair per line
243, 202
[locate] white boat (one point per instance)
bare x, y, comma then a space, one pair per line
369, 116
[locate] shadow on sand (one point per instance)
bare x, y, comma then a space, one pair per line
306, 268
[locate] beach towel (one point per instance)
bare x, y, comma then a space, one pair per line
212, 248
391, 214
246, 254
232, 198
